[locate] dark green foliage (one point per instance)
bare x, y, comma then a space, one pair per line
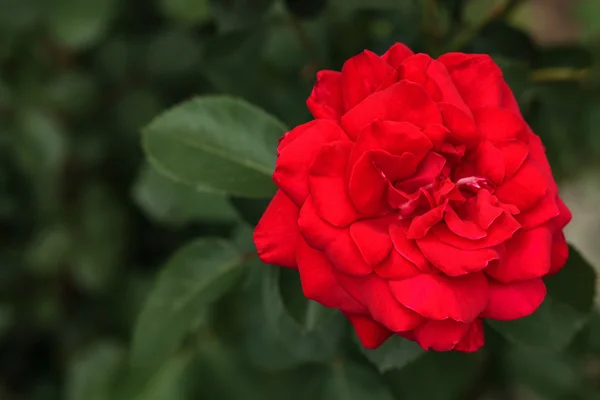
127, 275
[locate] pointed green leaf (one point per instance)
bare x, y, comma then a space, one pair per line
395, 353
222, 143
174, 203
195, 276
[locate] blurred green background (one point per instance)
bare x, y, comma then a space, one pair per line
86, 224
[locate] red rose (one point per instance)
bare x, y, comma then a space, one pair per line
418, 202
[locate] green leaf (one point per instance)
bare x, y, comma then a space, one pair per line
395, 353
174, 203
219, 142
435, 376
169, 382
314, 335
187, 12
562, 314
353, 5
93, 373
349, 381
80, 23
196, 276
233, 15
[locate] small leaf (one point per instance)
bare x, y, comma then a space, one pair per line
169, 382
563, 313
223, 143
174, 203
93, 373
395, 353
350, 381
195, 276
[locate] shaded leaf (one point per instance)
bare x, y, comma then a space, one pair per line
216, 141
395, 353
196, 275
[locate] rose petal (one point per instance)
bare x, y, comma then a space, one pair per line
543, 211
326, 100
394, 137
527, 256
441, 335
466, 229
514, 154
367, 186
396, 267
454, 261
364, 74
460, 124
427, 172
297, 154
440, 297
421, 224
525, 188
473, 339
509, 301
374, 293
477, 77
327, 183
372, 238
402, 101
408, 249
276, 235
397, 54
560, 252
503, 228
499, 125
490, 163
317, 232
371, 334
486, 208
319, 283
344, 255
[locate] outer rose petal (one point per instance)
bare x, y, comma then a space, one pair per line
473, 340
327, 183
396, 267
499, 125
514, 300
438, 297
403, 101
326, 101
374, 293
276, 235
364, 74
297, 154
560, 252
371, 334
319, 283
397, 54
527, 256
441, 335
477, 77
525, 188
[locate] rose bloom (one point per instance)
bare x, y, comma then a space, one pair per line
418, 201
